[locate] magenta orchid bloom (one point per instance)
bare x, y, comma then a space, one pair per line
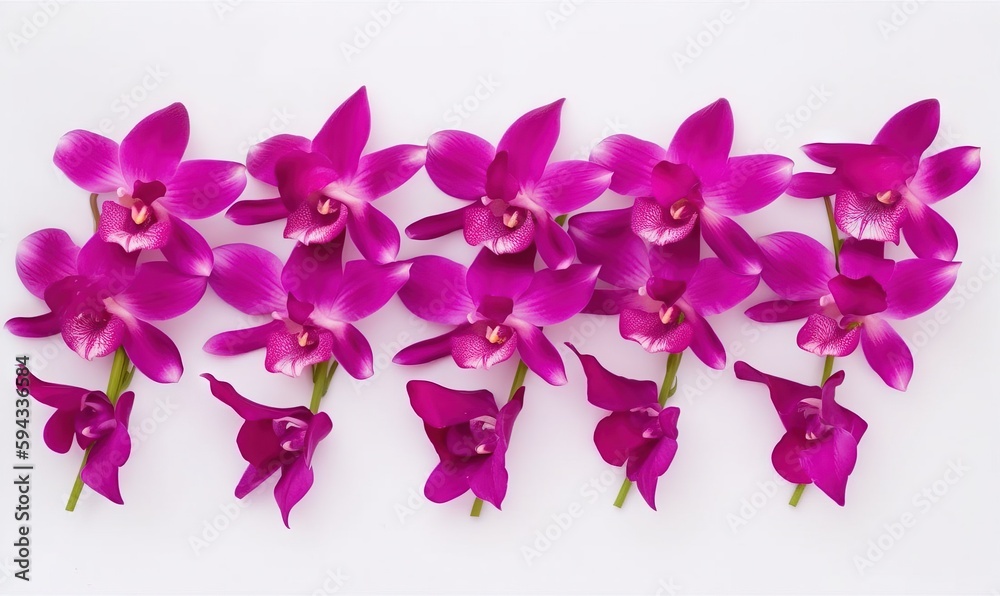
99, 300
886, 187
639, 434
273, 439
662, 295
820, 444
470, 435
96, 423
695, 185
327, 185
156, 190
313, 301
512, 190
498, 306
852, 305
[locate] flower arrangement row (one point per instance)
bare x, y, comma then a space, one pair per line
543, 260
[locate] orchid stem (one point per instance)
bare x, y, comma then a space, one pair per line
667, 390
827, 368
322, 377
561, 219
94, 211
517, 383
794, 501
118, 381
834, 233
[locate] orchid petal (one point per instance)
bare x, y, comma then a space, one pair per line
249, 213
705, 344
201, 188
618, 435
40, 326
829, 463
301, 176
345, 134
928, 234
352, 351
787, 457
613, 392
777, 311
942, 175
61, 397
457, 162
248, 278
429, 349
45, 257
187, 250
917, 285
860, 297
90, 161
704, 139
247, 409
384, 171
252, 478
654, 465
442, 407
785, 394
60, 430
530, 140
538, 353
866, 218
911, 130
100, 472
436, 226
160, 292
796, 266
296, 480
567, 186
153, 149
313, 272
731, 243
554, 245
436, 291
714, 289
373, 233
649, 331
822, 336
632, 160
263, 156
747, 184
152, 352
241, 341
500, 275
555, 295
886, 353
812, 185
366, 288
604, 238
865, 258
677, 260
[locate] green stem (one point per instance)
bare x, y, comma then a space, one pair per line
561, 219
118, 381
797, 495
94, 211
517, 383
834, 233
622, 493
667, 390
827, 369
322, 377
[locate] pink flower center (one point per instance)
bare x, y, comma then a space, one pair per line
140, 199
671, 314
682, 209
326, 206
888, 197
499, 334
96, 418
478, 437
291, 433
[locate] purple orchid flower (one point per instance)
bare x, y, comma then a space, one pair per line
820, 444
662, 295
512, 190
850, 306
313, 301
886, 187
156, 190
96, 423
694, 185
497, 306
327, 185
470, 435
273, 439
639, 434
99, 300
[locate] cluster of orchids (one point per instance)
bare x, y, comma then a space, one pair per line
541, 262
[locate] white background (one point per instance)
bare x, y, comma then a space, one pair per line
723, 525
